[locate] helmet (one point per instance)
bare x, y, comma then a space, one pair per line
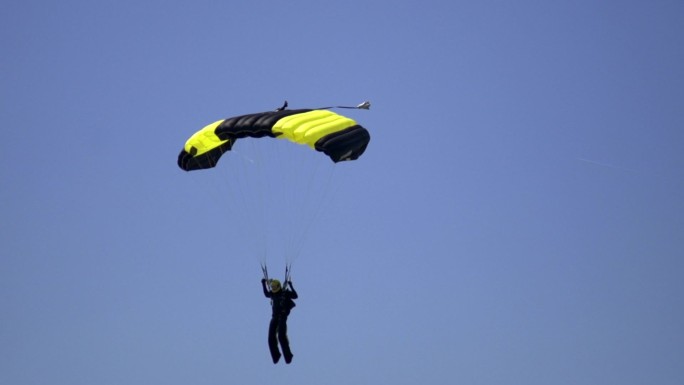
275, 285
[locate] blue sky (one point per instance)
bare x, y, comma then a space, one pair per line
516, 219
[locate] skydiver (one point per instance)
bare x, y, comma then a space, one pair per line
281, 304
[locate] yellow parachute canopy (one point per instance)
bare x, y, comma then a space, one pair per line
337, 136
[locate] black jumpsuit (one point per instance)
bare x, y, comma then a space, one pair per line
281, 304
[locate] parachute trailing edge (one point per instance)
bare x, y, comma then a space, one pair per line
337, 136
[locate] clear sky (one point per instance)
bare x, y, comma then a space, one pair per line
518, 217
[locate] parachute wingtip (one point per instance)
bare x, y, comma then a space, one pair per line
364, 106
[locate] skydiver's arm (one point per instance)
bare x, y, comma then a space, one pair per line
292, 290
267, 293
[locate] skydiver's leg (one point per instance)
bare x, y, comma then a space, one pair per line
284, 341
272, 342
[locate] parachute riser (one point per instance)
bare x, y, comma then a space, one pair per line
288, 269
264, 270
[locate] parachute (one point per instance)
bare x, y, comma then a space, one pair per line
337, 136
261, 173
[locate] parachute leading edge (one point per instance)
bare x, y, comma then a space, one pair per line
337, 136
